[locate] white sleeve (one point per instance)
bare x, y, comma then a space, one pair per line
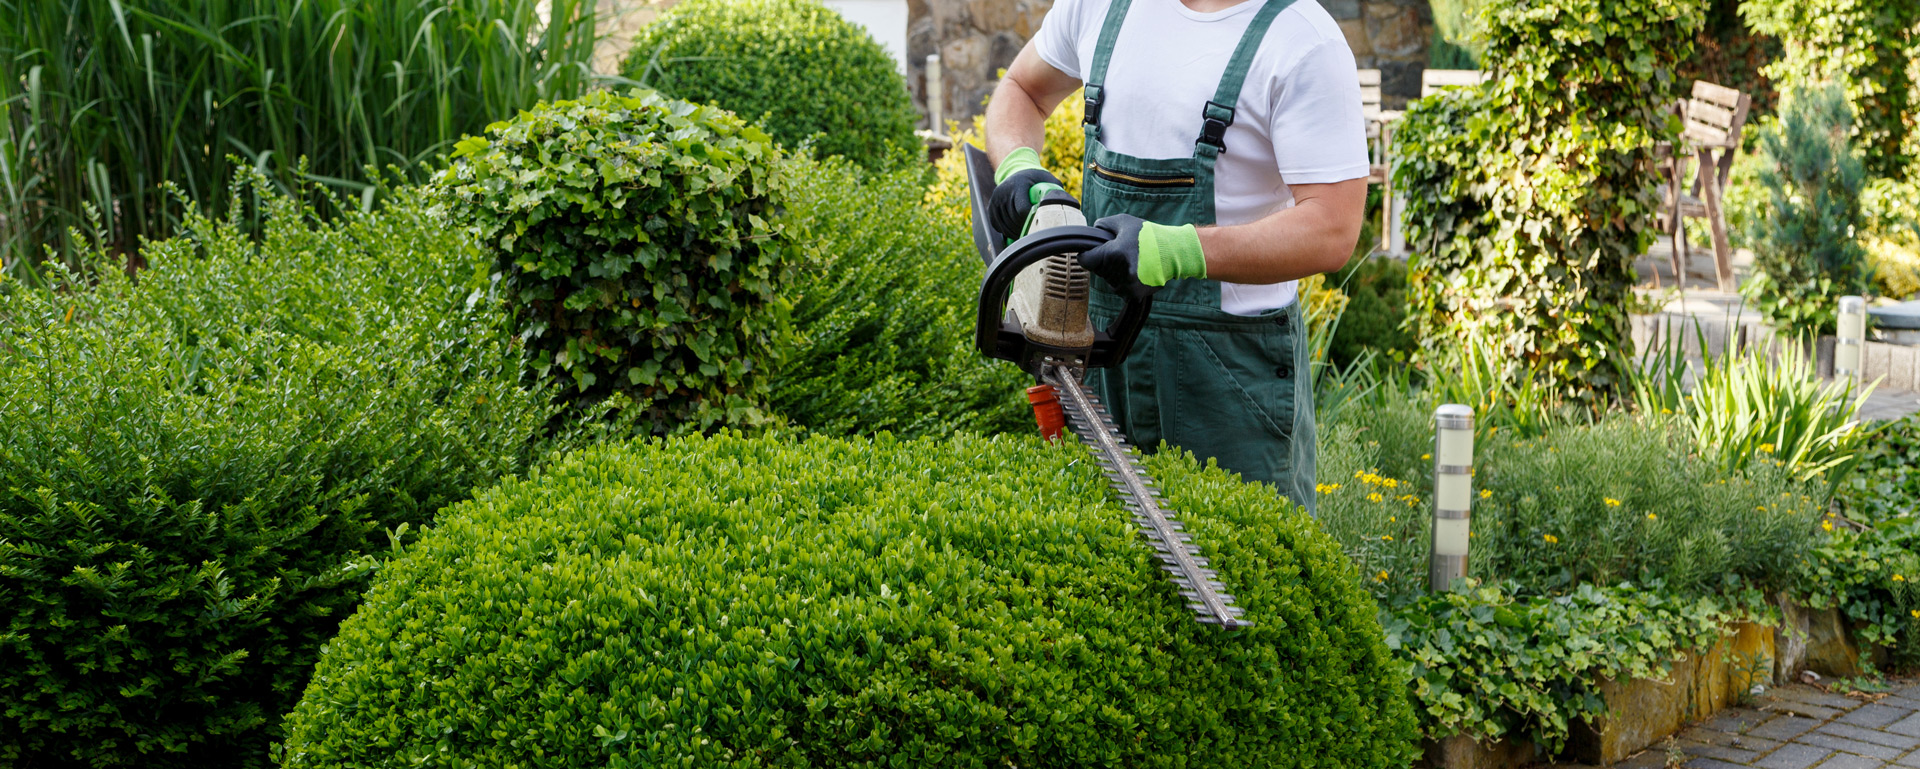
1319, 132
1059, 40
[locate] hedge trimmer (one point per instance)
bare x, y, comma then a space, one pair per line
1033, 311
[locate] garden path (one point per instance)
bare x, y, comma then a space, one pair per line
1798, 727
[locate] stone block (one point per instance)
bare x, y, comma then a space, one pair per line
1812, 696
1900, 742
1710, 763
1901, 369
1875, 360
1642, 712
1342, 9
1856, 747
1395, 30
1794, 757
1399, 82
1722, 752
1463, 752
1849, 761
1875, 715
1355, 31
1784, 728
1831, 650
1909, 726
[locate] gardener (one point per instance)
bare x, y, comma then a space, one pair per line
1226, 153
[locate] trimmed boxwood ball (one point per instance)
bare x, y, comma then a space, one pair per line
642, 245
796, 66
726, 601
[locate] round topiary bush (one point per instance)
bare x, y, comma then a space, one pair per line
641, 242
764, 602
796, 66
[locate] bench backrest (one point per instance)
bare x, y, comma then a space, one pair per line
1715, 115
1370, 93
1435, 79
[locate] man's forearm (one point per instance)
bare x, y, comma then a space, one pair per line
1013, 121
1314, 236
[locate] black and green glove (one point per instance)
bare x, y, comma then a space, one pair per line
1019, 184
1143, 256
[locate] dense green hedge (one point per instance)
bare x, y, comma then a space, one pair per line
198, 470
1530, 197
885, 321
770, 602
642, 246
1865, 46
795, 66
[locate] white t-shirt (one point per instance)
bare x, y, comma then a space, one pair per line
1301, 90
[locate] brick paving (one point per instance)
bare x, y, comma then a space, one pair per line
1798, 727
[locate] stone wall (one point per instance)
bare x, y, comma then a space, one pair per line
978, 38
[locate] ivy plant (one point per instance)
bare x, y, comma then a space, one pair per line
1866, 46
1530, 196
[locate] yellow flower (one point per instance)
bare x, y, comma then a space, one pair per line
1652, 517
1426, 456
1666, 411
1484, 493
1374, 497
1916, 613
1391, 519
1386, 538
1898, 578
1551, 539
1828, 525
1611, 502
1382, 576
1766, 448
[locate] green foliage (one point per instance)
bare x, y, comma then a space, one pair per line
199, 469
1458, 43
1726, 52
1376, 312
1742, 408
103, 101
1491, 664
796, 66
642, 245
1864, 46
866, 603
1621, 499
1530, 196
885, 319
1866, 572
1886, 483
1807, 252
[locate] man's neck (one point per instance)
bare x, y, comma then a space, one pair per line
1210, 6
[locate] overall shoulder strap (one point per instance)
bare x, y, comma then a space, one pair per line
1218, 113
1102, 53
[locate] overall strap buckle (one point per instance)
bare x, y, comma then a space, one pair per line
1213, 131
1093, 105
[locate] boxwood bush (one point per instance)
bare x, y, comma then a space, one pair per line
199, 469
884, 323
709, 601
642, 246
795, 66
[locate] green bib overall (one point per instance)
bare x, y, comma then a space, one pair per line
1232, 388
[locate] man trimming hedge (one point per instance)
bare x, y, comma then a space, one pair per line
1226, 152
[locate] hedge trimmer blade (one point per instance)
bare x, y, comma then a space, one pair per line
1206, 597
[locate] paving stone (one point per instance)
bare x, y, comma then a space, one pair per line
1817, 712
1793, 756
1874, 736
1710, 763
1722, 752
1653, 758
1909, 726
1911, 692
1813, 696
1857, 747
1850, 761
1909, 760
1714, 737
1739, 720
1875, 715
1784, 728
1900, 702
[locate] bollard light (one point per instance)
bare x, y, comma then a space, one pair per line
1452, 494
1850, 338
936, 97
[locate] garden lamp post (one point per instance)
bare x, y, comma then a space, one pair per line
936, 97
1850, 338
1452, 494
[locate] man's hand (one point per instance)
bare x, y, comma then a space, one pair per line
1143, 256
1019, 184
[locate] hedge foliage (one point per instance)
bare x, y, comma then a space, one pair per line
1807, 251
771, 602
199, 469
1530, 196
642, 245
1867, 47
884, 320
795, 66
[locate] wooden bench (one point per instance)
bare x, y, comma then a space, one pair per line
1433, 80
1380, 143
1714, 118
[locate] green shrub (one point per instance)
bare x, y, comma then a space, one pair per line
885, 319
199, 469
1620, 500
1866, 47
103, 101
642, 245
1886, 482
1530, 196
973, 602
1376, 311
796, 66
1806, 251
1492, 664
